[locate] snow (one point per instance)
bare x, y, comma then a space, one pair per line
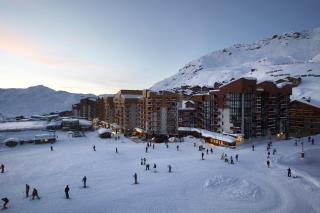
22, 125
103, 131
209, 134
196, 185
269, 59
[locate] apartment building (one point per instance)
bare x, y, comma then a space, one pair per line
186, 114
128, 109
203, 110
304, 118
245, 107
89, 108
161, 112
109, 109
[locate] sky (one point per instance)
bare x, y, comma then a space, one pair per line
100, 47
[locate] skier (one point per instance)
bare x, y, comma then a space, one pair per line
222, 156
84, 180
211, 150
135, 176
141, 162
144, 161
194, 144
268, 163
35, 194
177, 147
289, 172
154, 167
66, 191
207, 151
152, 146
146, 149
252, 147
5, 202
94, 147
237, 156
116, 149
169, 166
309, 138
274, 151
2, 168
167, 145
202, 155
51, 148
147, 167
231, 160
27, 190
312, 141
268, 155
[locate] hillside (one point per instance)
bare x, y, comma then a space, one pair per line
295, 54
36, 100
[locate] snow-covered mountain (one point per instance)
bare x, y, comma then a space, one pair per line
36, 100
295, 54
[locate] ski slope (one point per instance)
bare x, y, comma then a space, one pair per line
195, 186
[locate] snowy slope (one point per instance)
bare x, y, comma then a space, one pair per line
295, 54
36, 100
196, 185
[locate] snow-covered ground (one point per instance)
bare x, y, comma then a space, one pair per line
196, 185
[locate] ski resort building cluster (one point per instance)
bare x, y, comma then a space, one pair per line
243, 108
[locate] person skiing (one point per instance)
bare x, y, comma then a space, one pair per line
289, 172
169, 166
135, 176
84, 180
207, 151
167, 145
268, 155
154, 167
268, 163
144, 161
66, 191
222, 156
27, 190
237, 156
94, 147
35, 194
252, 147
152, 146
309, 139
211, 150
274, 151
312, 141
146, 149
5, 202
2, 168
202, 155
177, 147
51, 148
231, 160
116, 149
141, 163
194, 144
147, 167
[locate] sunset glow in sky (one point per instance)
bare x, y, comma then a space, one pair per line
102, 46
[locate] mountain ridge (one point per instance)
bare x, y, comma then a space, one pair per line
294, 54
38, 99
